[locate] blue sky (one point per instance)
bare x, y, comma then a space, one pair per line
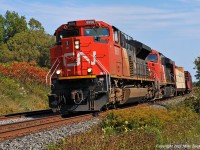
169, 26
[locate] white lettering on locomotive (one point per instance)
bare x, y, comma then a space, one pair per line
78, 60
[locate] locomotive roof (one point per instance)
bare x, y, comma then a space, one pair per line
142, 50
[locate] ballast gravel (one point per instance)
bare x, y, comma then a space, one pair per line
40, 140
164, 104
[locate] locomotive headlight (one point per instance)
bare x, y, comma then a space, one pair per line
89, 70
58, 72
77, 44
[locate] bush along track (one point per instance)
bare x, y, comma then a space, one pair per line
25, 72
22, 87
141, 128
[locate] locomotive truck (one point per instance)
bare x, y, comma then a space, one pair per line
95, 65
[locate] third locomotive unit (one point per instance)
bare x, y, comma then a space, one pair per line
94, 65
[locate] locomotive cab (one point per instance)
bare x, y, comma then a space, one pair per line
77, 45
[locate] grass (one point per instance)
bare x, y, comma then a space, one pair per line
141, 128
95, 139
16, 96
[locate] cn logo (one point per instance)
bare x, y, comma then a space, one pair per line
78, 62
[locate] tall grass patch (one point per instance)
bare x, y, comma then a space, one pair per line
139, 128
169, 126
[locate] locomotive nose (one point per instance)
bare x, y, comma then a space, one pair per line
78, 56
70, 48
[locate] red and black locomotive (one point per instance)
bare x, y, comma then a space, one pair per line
94, 65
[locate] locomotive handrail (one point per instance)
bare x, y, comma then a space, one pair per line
172, 77
54, 72
108, 85
57, 60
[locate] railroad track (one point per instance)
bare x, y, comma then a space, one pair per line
25, 114
18, 129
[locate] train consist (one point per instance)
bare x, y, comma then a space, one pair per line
94, 65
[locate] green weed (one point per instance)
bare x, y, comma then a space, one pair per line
16, 96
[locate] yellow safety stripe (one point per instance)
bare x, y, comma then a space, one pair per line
77, 77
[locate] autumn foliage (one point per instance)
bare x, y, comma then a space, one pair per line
25, 72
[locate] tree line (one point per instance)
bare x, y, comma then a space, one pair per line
197, 67
23, 41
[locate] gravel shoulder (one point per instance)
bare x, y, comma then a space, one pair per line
40, 140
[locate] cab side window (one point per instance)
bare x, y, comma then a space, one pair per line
116, 35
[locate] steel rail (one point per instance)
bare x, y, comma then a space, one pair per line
25, 114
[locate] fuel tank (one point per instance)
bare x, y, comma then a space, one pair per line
132, 95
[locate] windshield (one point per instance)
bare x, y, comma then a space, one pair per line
152, 57
96, 32
67, 33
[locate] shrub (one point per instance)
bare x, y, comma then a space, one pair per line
172, 125
20, 89
193, 101
127, 120
25, 72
